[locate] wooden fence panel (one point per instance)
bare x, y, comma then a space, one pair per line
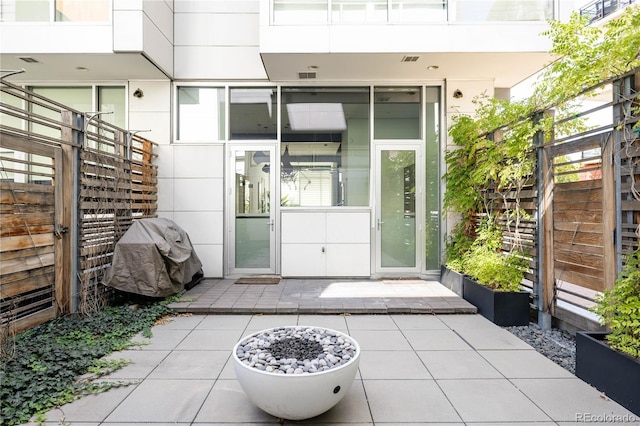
578, 233
44, 225
27, 254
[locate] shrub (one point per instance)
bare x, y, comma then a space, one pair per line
619, 308
488, 265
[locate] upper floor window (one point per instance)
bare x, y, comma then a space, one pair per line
502, 10
304, 12
55, 10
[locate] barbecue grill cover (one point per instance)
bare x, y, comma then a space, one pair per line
153, 258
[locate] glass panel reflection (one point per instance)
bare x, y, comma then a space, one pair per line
252, 113
201, 113
325, 147
397, 112
253, 207
398, 208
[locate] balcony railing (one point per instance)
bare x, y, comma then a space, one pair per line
599, 9
323, 12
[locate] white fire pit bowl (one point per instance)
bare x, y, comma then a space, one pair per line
296, 396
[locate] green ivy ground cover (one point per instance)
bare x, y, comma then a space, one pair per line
42, 367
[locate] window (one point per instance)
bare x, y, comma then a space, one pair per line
504, 10
82, 10
112, 99
252, 113
418, 10
397, 112
296, 12
78, 98
63, 10
325, 147
432, 178
201, 114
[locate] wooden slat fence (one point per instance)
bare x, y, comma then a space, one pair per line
118, 184
584, 210
71, 185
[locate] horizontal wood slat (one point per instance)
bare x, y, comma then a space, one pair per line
26, 263
25, 242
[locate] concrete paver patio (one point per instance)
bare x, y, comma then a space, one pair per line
415, 369
323, 296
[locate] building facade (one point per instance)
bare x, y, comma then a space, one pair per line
298, 138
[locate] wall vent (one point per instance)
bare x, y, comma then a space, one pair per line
410, 58
28, 59
307, 75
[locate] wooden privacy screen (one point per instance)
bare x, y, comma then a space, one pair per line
578, 239
115, 189
71, 186
28, 246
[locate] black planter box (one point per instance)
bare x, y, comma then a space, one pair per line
504, 308
451, 280
610, 371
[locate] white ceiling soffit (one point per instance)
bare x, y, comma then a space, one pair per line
54, 67
506, 69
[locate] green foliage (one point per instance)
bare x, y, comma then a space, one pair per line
619, 308
589, 55
494, 147
48, 359
458, 243
488, 265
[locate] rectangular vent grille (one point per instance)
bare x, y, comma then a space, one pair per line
307, 75
410, 58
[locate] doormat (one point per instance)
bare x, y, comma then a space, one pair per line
257, 280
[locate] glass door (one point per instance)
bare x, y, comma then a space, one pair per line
252, 228
398, 208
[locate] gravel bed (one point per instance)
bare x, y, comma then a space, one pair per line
557, 345
296, 350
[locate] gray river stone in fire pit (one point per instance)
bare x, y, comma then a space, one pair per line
296, 350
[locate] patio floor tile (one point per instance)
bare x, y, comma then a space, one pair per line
401, 401
490, 400
435, 340
491, 338
212, 340
191, 365
458, 365
397, 365
227, 402
524, 364
383, 340
557, 397
162, 401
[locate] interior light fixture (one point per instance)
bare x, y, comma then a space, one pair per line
253, 96
316, 117
28, 59
432, 67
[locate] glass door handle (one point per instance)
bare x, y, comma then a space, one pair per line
379, 223
271, 223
